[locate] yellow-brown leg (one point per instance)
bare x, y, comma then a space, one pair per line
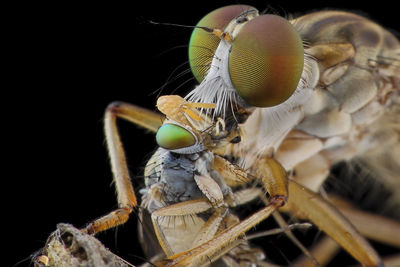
199, 233
202, 254
181, 209
126, 195
368, 223
323, 252
303, 202
307, 204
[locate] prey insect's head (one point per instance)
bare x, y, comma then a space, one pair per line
188, 130
182, 139
180, 132
262, 64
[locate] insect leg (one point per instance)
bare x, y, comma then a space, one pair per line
190, 207
126, 196
304, 203
323, 252
180, 110
368, 223
273, 178
271, 170
143, 117
233, 174
208, 250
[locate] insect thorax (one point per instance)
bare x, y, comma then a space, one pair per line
171, 175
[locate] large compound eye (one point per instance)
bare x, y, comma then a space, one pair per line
171, 137
266, 61
203, 44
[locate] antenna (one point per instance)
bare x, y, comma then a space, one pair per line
180, 25
217, 32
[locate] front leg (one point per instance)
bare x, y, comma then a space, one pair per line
125, 193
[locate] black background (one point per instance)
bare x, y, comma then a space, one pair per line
67, 62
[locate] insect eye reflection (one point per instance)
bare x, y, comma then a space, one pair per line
266, 57
171, 137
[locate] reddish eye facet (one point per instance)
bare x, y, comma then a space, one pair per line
266, 61
266, 58
203, 44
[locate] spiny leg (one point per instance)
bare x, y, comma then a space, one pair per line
282, 223
306, 204
202, 254
125, 193
286, 229
186, 208
215, 201
367, 223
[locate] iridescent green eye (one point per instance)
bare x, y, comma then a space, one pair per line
266, 61
203, 44
171, 136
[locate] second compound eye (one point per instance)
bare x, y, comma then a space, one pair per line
172, 136
203, 44
266, 61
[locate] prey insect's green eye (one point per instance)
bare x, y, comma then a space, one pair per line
203, 44
171, 136
266, 61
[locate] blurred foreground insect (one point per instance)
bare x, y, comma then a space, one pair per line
289, 100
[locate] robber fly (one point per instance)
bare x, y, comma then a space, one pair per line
315, 90
325, 92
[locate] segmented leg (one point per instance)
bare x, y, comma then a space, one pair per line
368, 223
323, 252
201, 254
126, 195
304, 203
271, 170
167, 220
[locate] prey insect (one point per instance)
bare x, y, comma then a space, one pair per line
301, 95
186, 178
